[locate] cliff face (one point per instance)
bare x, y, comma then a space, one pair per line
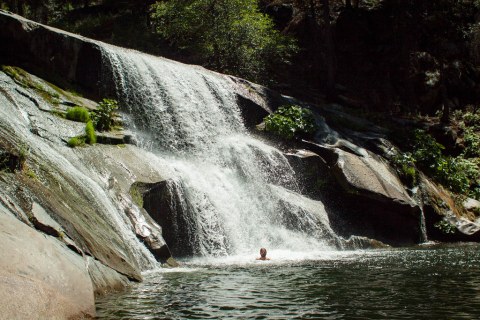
71, 220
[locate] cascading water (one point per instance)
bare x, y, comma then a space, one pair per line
236, 192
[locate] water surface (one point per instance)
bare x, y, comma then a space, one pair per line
419, 283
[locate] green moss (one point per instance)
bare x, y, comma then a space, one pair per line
24, 79
91, 137
79, 114
31, 174
136, 195
76, 142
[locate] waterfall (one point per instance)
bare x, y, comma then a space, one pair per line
236, 192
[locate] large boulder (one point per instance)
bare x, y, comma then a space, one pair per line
52, 53
40, 278
161, 201
362, 195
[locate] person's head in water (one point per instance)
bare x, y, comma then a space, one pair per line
263, 254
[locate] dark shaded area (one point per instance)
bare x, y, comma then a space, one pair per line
163, 204
9, 161
51, 55
390, 56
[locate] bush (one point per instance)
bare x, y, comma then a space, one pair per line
79, 114
76, 142
291, 120
90, 136
103, 116
404, 163
458, 174
472, 143
445, 227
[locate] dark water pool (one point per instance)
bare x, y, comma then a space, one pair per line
421, 283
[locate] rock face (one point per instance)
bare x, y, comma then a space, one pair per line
40, 278
55, 54
362, 195
64, 225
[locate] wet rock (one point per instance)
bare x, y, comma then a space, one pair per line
161, 201
472, 205
115, 138
104, 279
362, 195
440, 207
146, 228
312, 171
39, 277
355, 242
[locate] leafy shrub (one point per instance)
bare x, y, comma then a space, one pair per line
289, 121
404, 163
472, 119
79, 114
427, 151
458, 174
445, 227
76, 142
103, 116
90, 136
472, 143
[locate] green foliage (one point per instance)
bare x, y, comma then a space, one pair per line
445, 227
289, 121
231, 36
21, 77
31, 174
472, 143
136, 195
79, 114
458, 174
104, 115
76, 142
90, 136
404, 163
427, 151
472, 119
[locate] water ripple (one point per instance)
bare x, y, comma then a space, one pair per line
441, 283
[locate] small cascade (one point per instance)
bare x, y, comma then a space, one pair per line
423, 227
233, 193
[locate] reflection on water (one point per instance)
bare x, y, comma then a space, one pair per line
422, 283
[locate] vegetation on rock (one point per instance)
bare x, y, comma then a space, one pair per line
103, 116
90, 136
290, 121
460, 174
445, 227
79, 114
76, 142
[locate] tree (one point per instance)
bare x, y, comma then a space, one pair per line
230, 36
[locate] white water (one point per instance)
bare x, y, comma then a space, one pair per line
238, 194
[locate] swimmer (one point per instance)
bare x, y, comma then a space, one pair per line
263, 254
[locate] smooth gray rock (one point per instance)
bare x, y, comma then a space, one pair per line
40, 278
